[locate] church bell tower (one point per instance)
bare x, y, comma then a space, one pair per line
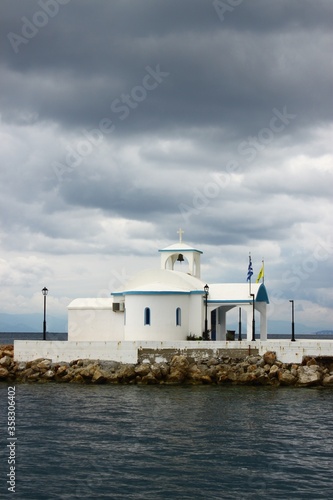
177, 253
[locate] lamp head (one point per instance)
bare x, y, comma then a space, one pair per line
206, 289
45, 291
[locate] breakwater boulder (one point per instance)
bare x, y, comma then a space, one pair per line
181, 369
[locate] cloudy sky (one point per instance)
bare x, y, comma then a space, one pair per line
123, 120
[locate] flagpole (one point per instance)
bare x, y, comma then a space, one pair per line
250, 276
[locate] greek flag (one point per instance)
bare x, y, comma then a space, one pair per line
250, 270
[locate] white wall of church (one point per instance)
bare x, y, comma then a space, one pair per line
196, 315
162, 317
95, 325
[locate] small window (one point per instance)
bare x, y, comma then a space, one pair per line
178, 316
147, 316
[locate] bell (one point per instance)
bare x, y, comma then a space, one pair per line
180, 258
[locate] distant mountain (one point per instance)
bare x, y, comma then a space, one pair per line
275, 327
31, 323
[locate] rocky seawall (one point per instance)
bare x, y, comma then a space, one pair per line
181, 369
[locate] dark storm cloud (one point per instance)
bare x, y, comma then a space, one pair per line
229, 73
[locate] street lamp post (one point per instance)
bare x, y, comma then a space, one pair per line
206, 289
292, 320
253, 319
44, 292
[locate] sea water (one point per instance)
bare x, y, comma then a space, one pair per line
169, 442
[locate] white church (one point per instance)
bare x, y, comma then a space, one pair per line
159, 309
168, 305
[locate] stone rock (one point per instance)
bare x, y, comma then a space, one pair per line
45, 364
156, 371
178, 369
286, 377
180, 362
142, 370
86, 373
149, 379
66, 378
253, 360
3, 372
212, 362
5, 361
316, 368
61, 371
222, 377
307, 375
273, 372
311, 362
112, 378
76, 379
165, 369
212, 371
21, 366
6, 350
194, 374
26, 373
49, 374
126, 373
261, 376
328, 380
246, 378
269, 357
98, 377
109, 366
78, 362
33, 377
175, 376
232, 375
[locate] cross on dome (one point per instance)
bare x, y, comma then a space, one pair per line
180, 232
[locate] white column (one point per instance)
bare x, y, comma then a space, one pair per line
221, 324
262, 308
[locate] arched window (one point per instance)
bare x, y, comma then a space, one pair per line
147, 316
178, 316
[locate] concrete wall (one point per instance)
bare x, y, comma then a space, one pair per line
28, 350
127, 352
293, 352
